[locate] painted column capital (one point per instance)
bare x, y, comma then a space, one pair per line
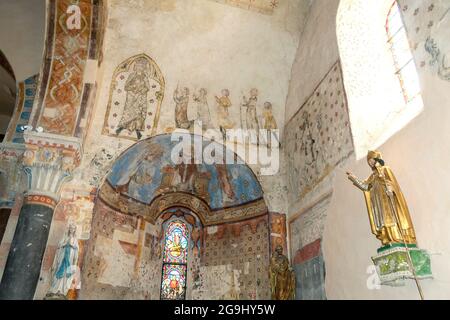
49, 161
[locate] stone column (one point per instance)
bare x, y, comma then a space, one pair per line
49, 164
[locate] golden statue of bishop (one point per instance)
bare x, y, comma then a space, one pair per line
282, 277
388, 213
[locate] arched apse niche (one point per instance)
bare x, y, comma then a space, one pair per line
222, 206
377, 105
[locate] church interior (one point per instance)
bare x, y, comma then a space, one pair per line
224, 149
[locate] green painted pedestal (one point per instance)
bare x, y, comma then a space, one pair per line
393, 268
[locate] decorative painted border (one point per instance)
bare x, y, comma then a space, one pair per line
163, 202
41, 200
297, 215
56, 52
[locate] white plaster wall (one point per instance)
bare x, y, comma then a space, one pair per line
317, 52
420, 158
22, 29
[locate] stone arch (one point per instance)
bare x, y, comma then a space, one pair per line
124, 254
229, 202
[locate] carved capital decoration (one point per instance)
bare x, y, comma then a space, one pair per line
49, 161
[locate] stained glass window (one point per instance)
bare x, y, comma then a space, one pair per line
401, 51
173, 284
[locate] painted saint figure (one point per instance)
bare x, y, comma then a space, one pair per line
269, 120
135, 110
181, 108
251, 117
389, 216
223, 106
282, 277
142, 173
203, 114
65, 264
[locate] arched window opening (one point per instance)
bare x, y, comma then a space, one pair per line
403, 59
175, 259
380, 76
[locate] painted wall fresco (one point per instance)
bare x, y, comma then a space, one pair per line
136, 94
261, 6
123, 258
239, 258
318, 137
306, 231
224, 262
308, 225
426, 21
13, 181
225, 112
146, 172
22, 112
65, 86
309, 268
278, 231
64, 91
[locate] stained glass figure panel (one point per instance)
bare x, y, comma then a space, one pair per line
176, 243
173, 285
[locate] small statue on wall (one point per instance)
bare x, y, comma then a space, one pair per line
65, 265
282, 277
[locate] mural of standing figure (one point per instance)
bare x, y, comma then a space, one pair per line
308, 146
203, 113
437, 58
223, 106
134, 113
182, 102
269, 120
65, 266
282, 277
251, 117
388, 212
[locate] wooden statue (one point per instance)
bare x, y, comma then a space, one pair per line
282, 277
388, 213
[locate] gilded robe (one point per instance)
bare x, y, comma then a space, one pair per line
385, 205
282, 278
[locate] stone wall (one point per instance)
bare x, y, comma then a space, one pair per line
234, 265
123, 260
